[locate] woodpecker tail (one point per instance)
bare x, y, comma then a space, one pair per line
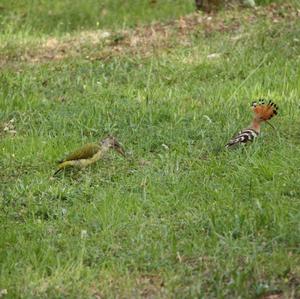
264, 110
65, 164
242, 137
57, 171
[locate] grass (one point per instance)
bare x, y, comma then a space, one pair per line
43, 16
181, 217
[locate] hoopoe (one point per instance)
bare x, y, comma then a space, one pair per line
89, 154
262, 113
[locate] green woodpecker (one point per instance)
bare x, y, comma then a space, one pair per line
90, 153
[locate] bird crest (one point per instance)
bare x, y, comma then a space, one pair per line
264, 110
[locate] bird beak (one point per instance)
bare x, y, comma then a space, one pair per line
270, 125
119, 149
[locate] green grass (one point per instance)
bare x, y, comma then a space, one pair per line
56, 17
181, 217
44, 16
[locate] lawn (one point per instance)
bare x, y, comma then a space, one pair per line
180, 217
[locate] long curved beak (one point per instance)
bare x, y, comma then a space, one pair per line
270, 125
119, 149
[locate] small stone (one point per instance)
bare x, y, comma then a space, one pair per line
83, 234
249, 3
3, 292
213, 55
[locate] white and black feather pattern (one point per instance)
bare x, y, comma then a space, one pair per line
242, 137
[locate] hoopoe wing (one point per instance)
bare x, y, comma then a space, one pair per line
242, 137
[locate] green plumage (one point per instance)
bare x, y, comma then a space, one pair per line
89, 154
85, 152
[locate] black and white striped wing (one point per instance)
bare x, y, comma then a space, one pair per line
242, 137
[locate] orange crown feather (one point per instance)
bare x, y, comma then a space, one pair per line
264, 111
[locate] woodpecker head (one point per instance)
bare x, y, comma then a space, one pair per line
264, 110
112, 142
